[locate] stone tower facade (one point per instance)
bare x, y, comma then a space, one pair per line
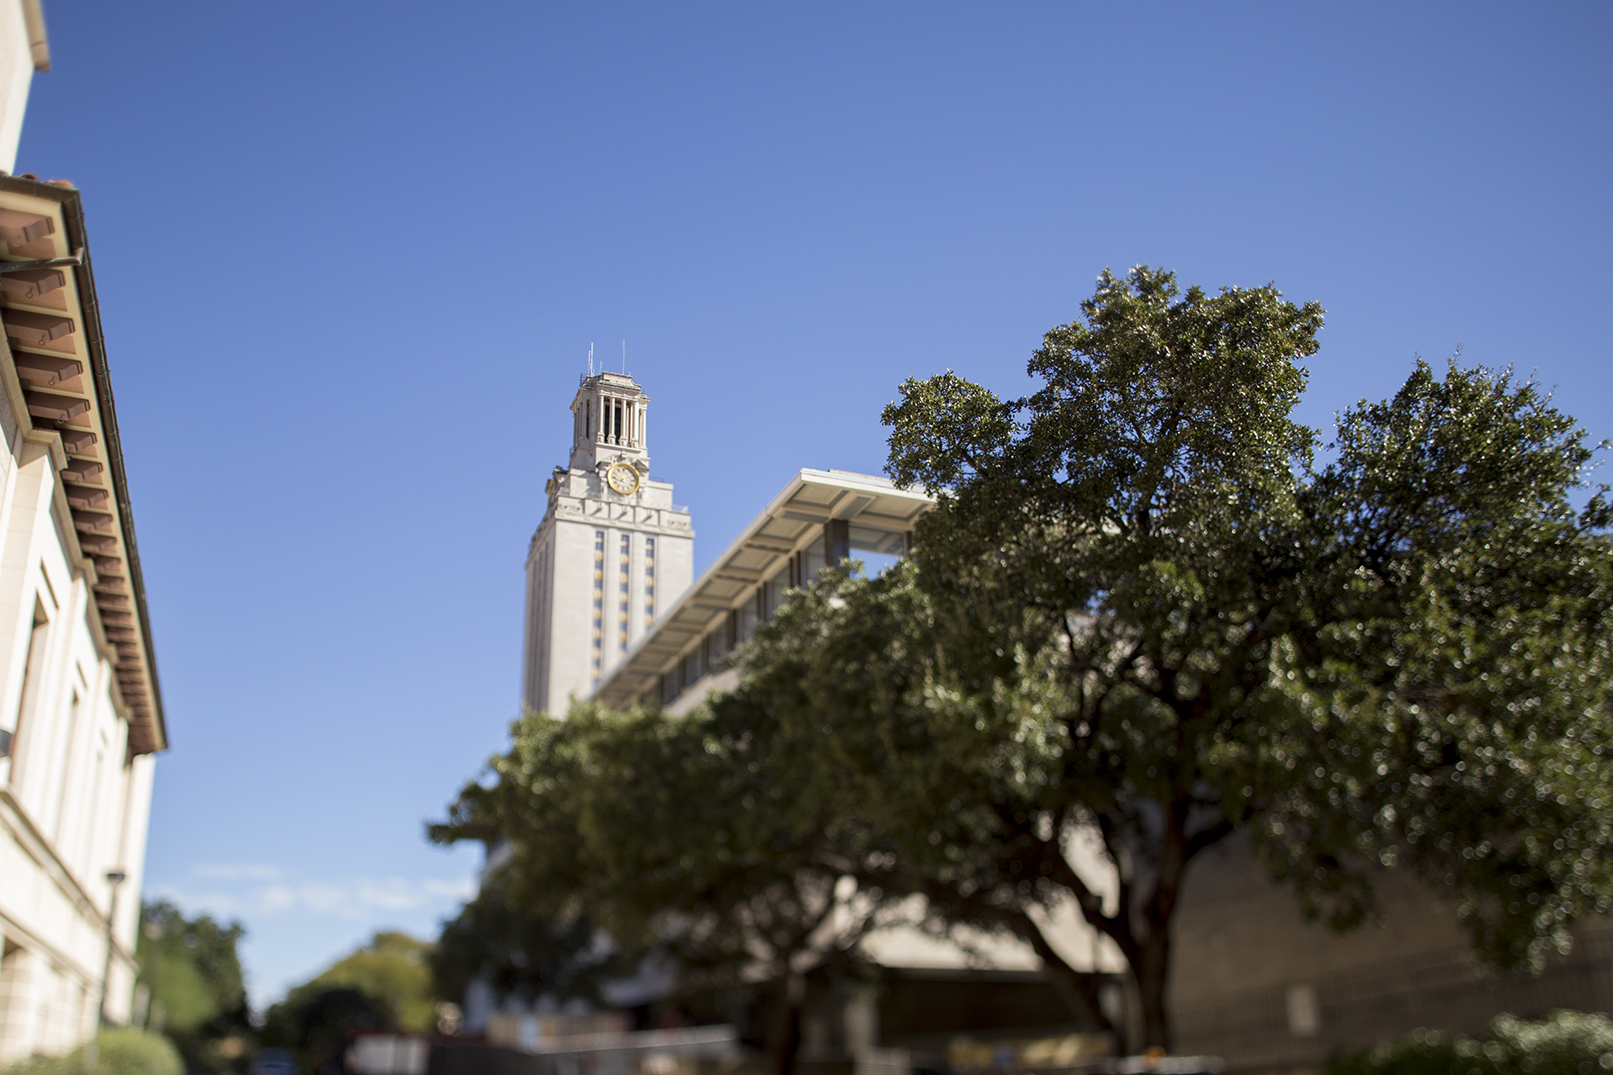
612, 553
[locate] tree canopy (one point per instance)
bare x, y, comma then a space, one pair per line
518, 951
700, 846
393, 968
384, 984
1399, 656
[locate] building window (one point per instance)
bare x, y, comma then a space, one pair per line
649, 582
599, 602
542, 609
624, 576
31, 670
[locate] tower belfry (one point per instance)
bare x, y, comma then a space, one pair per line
611, 553
608, 420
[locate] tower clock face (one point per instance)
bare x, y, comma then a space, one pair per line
622, 478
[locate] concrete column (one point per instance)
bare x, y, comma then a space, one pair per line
836, 542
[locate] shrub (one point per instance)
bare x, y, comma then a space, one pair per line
120, 1051
127, 1051
1564, 1043
70, 1064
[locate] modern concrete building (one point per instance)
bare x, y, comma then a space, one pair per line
80, 712
819, 518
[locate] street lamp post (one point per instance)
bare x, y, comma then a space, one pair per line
154, 1013
113, 878
92, 1047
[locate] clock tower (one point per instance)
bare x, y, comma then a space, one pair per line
611, 554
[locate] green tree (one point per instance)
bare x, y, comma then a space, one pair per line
192, 966
384, 984
517, 952
703, 843
316, 1021
1141, 609
394, 969
118, 1051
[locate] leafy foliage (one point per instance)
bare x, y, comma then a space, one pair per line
1164, 624
517, 951
1463, 638
702, 843
127, 1051
1564, 1043
392, 968
119, 1051
316, 1021
193, 968
383, 985
1141, 613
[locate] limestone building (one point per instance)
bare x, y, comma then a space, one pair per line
80, 712
611, 554
23, 50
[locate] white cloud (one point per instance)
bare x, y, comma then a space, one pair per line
277, 898
238, 872
299, 922
256, 891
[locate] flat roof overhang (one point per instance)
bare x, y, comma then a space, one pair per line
879, 517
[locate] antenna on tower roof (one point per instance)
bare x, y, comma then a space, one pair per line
590, 360
624, 357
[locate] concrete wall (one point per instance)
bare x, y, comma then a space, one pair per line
1255, 982
1237, 929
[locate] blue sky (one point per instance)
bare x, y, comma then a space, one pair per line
351, 258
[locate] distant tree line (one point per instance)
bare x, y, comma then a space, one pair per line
195, 992
384, 985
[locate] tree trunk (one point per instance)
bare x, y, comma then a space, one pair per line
784, 1024
1078, 990
1152, 971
